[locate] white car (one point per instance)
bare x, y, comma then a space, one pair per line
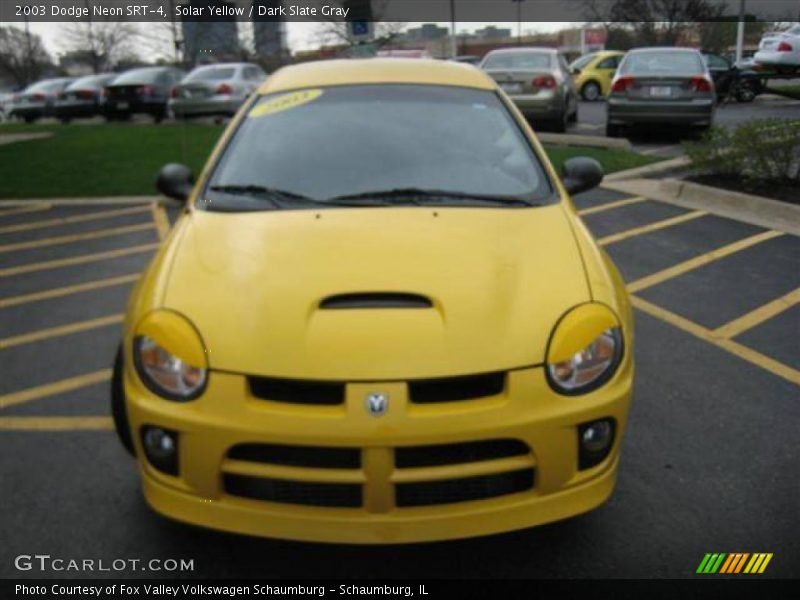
780, 49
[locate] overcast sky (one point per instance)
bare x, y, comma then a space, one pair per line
301, 35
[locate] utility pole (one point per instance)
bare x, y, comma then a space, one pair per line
453, 38
740, 32
519, 20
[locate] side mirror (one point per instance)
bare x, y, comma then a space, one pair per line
581, 174
175, 181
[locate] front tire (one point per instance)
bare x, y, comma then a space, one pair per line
591, 91
118, 410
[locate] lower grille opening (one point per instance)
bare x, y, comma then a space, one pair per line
331, 495
325, 393
453, 454
298, 456
454, 389
429, 493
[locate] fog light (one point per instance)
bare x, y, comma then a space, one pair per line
595, 440
161, 448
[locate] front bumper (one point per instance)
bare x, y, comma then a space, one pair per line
682, 112
526, 410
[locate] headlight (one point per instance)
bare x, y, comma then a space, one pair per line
575, 366
169, 356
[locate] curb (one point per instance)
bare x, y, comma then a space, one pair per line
755, 210
663, 166
569, 139
13, 138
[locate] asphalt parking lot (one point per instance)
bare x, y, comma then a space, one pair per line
709, 462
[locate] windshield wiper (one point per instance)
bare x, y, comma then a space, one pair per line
419, 196
273, 195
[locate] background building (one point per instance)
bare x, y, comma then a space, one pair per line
211, 40
269, 35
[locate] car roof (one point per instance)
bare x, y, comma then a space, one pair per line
662, 48
229, 65
541, 49
376, 70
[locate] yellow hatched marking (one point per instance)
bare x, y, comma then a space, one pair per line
75, 237
699, 261
51, 332
624, 235
612, 205
754, 560
76, 260
24, 209
67, 290
56, 423
758, 316
73, 219
56, 387
160, 219
756, 358
764, 564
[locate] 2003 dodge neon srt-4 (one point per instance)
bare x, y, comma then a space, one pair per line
379, 319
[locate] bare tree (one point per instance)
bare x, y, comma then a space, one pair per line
337, 33
23, 57
100, 43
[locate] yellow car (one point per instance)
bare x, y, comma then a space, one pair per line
378, 320
593, 73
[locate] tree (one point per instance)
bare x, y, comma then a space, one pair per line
23, 57
100, 42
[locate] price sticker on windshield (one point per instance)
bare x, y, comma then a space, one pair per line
284, 102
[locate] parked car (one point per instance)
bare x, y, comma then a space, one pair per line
38, 100
215, 89
538, 81
84, 97
141, 91
661, 85
5, 106
593, 73
725, 74
463, 367
780, 49
467, 59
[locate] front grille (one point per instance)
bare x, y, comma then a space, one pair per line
453, 454
298, 456
323, 393
454, 389
450, 491
345, 495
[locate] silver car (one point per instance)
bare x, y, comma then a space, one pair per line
83, 98
215, 89
37, 101
538, 81
661, 85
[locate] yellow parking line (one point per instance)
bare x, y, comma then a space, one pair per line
160, 219
611, 205
699, 261
56, 423
25, 209
66, 290
759, 315
624, 235
56, 387
75, 237
51, 332
73, 219
76, 260
756, 358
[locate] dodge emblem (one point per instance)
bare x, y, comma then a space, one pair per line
377, 403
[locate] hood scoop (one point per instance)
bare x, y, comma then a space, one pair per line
368, 300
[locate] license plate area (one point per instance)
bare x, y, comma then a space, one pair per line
660, 91
511, 88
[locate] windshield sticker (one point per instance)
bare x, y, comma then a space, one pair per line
285, 102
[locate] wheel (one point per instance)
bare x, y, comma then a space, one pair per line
591, 91
573, 117
118, 411
745, 94
613, 131
560, 124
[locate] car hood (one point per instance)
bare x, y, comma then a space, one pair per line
498, 281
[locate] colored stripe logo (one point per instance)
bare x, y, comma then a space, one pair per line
734, 563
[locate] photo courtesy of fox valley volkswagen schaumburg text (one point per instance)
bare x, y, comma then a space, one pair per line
368, 297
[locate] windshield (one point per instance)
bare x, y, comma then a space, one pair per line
344, 141
517, 60
662, 63
138, 76
213, 73
582, 61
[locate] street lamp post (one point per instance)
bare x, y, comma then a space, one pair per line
740, 32
519, 19
453, 38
